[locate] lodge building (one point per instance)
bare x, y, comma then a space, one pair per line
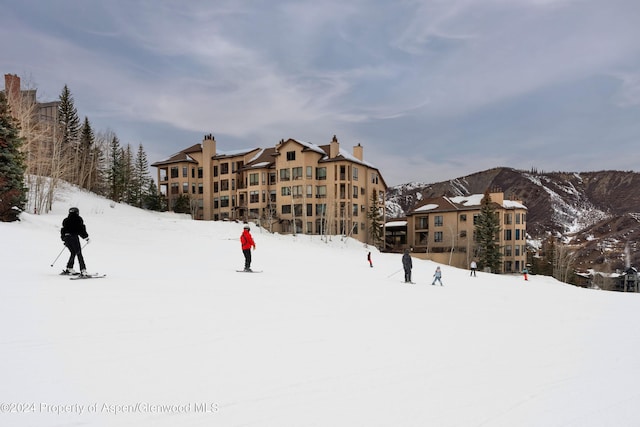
294, 187
442, 229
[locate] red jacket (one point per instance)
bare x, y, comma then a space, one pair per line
246, 240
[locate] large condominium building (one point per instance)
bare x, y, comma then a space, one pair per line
443, 229
294, 187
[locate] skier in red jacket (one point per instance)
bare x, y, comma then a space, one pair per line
247, 244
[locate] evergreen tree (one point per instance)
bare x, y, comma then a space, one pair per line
375, 221
69, 125
182, 205
12, 166
141, 178
153, 200
115, 171
487, 234
87, 156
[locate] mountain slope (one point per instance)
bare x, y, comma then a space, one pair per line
593, 207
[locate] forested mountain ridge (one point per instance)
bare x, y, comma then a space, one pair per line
597, 213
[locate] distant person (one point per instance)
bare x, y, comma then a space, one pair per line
407, 264
72, 229
246, 240
473, 267
437, 276
525, 273
369, 259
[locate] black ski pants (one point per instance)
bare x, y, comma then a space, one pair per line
72, 242
247, 258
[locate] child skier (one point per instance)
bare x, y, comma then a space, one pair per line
246, 240
437, 276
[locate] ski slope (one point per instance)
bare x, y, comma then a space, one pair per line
175, 337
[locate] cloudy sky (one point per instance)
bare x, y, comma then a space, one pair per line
433, 89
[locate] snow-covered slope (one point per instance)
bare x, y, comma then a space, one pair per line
175, 337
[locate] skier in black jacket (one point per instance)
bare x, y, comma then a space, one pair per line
407, 264
72, 228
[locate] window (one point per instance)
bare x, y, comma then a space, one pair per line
254, 178
508, 218
185, 187
508, 250
200, 189
224, 201
174, 188
463, 217
321, 209
355, 209
174, 172
193, 172
463, 233
291, 155
507, 234
297, 173
343, 173
215, 187
284, 174
355, 173
309, 172
321, 173
517, 234
518, 218
216, 203
321, 191
224, 185
254, 197
355, 192
438, 221
297, 191
309, 191
374, 178
285, 191
224, 168
286, 209
437, 236
309, 210
215, 170
423, 222
184, 171
200, 173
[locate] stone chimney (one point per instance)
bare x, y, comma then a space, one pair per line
334, 148
357, 152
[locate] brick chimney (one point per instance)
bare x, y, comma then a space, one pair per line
12, 90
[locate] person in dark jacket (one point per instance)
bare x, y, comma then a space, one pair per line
246, 240
407, 264
72, 229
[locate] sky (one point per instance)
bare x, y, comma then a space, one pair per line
319, 338
433, 89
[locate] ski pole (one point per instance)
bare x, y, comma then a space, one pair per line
392, 274
54, 261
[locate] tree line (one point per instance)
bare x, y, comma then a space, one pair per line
45, 151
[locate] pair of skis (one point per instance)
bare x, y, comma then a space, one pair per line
78, 276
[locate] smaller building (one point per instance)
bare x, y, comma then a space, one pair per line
442, 229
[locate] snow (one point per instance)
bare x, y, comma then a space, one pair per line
427, 207
175, 337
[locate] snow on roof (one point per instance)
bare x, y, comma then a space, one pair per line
427, 207
513, 204
396, 223
260, 165
235, 152
349, 156
472, 200
312, 146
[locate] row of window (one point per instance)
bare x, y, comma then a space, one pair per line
438, 220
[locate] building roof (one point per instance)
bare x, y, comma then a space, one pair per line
180, 156
460, 203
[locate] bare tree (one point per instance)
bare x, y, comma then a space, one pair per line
563, 260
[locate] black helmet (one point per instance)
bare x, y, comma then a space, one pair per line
74, 211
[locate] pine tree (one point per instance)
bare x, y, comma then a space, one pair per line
87, 156
487, 234
153, 200
375, 221
141, 178
13, 195
115, 171
69, 125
